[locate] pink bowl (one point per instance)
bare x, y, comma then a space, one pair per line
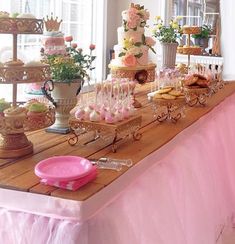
63, 168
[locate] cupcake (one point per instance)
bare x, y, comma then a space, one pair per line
15, 116
18, 71
37, 113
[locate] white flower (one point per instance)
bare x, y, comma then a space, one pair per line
134, 50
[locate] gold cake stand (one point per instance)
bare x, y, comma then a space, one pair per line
128, 127
142, 74
172, 110
13, 141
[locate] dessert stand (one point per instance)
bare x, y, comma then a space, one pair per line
143, 74
128, 127
196, 96
13, 141
171, 110
190, 51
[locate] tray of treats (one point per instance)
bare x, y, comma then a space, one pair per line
20, 72
197, 89
20, 24
32, 116
192, 50
169, 103
191, 29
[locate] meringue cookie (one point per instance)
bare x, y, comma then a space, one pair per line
110, 118
95, 116
80, 114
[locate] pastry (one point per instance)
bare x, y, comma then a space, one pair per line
180, 49
37, 113
191, 29
168, 97
192, 50
175, 93
15, 117
190, 80
164, 90
157, 96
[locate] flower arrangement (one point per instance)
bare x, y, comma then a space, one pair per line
74, 65
206, 31
167, 34
135, 16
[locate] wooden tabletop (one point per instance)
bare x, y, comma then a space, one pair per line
18, 174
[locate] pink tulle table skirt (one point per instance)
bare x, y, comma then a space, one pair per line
184, 196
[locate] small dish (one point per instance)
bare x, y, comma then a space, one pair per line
63, 168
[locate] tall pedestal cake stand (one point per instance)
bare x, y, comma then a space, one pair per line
13, 141
142, 74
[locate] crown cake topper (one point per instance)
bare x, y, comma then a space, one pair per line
52, 24
136, 6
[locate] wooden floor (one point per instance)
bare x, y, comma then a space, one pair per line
18, 174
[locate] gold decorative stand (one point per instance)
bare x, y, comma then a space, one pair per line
172, 110
146, 73
13, 141
128, 127
195, 96
142, 74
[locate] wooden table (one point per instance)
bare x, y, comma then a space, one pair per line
18, 174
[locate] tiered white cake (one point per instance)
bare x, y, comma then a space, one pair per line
133, 46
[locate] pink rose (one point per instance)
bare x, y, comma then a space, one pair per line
68, 38
129, 60
74, 45
133, 19
92, 47
150, 41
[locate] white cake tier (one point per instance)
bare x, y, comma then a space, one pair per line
136, 35
143, 60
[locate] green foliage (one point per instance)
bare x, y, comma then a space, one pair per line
167, 34
205, 33
73, 66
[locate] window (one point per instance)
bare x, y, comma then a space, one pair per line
79, 20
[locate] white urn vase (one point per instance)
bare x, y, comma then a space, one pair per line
169, 55
64, 96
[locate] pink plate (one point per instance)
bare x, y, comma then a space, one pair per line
63, 168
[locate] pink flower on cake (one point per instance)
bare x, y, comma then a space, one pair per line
150, 41
129, 60
68, 38
74, 45
92, 47
133, 19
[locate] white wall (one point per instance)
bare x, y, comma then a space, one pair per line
228, 38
